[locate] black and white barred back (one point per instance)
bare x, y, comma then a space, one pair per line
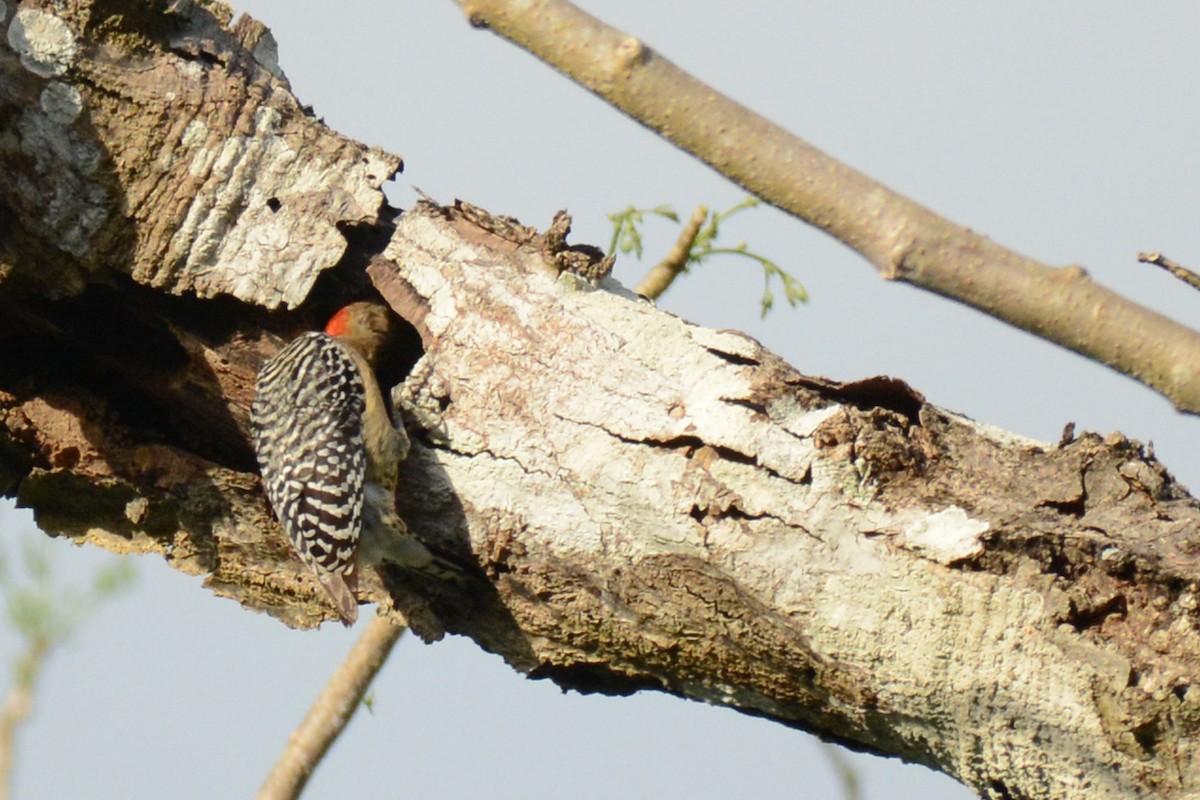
307, 422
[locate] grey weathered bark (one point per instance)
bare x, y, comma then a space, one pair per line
641, 503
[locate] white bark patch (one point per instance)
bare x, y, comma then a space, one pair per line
43, 41
946, 536
194, 134
255, 234
190, 70
732, 342
804, 423
3, 11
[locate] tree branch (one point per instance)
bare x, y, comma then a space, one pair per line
332, 710
637, 502
663, 274
1174, 267
17, 705
902, 239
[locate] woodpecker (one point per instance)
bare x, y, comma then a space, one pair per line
327, 448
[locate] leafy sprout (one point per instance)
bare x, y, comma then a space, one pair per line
627, 238
626, 235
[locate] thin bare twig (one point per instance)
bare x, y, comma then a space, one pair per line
902, 239
846, 774
663, 274
331, 711
1174, 267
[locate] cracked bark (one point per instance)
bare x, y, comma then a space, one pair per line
644, 503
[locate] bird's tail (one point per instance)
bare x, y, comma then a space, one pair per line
342, 593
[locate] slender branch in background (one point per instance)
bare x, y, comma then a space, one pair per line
663, 274
1174, 267
45, 615
331, 711
18, 704
901, 238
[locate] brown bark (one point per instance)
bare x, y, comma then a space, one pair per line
642, 503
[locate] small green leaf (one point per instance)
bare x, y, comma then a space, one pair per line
768, 300
627, 235
665, 211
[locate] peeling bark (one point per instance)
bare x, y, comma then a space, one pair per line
154, 141
641, 502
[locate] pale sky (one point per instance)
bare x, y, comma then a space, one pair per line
1068, 132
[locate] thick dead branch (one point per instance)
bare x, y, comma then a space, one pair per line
901, 238
641, 503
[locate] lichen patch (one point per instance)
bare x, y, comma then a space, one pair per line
43, 41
